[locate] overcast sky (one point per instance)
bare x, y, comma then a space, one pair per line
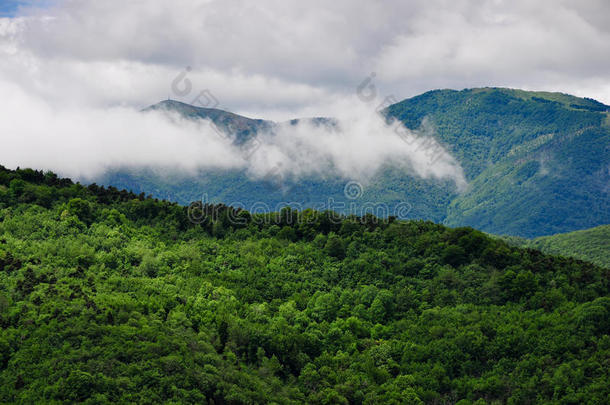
273, 59
284, 58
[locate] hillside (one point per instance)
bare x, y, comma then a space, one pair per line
241, 128
592, 245
112, 297
537, 164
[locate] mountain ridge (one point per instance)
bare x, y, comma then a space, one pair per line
231, 123
537, 163
238, 126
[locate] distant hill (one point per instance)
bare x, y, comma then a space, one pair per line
592, 245
537, 164
233, 124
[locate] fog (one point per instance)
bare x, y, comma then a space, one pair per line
84, 142
74, 75
356, 147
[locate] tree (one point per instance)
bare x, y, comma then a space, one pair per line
81, 209
287, 233
334, 246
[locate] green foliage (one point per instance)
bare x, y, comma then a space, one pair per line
81, 209
334, 247
592, 245
536, 163
110, 297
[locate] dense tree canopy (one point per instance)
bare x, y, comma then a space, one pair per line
592, 245
111, 297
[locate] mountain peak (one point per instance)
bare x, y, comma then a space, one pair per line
237, 126
190, 110
233, 124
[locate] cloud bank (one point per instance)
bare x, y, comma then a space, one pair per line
75, 73
84, 142
288, 57
356, 146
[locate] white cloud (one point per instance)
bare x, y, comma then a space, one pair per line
255, 56
83, 142
356, 147
76, 72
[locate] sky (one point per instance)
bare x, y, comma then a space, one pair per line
67, 60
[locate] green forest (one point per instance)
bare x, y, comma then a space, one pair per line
536, 163
111, 297
592, 245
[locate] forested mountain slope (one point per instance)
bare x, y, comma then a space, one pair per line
592, 245
110, 297
537, 164
242, 128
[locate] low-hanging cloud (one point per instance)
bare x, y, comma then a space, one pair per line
85, 142
74, 75
356, 144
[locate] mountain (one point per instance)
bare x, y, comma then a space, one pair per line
110, 297
241, 128
537, 164
427, 198
592, 245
